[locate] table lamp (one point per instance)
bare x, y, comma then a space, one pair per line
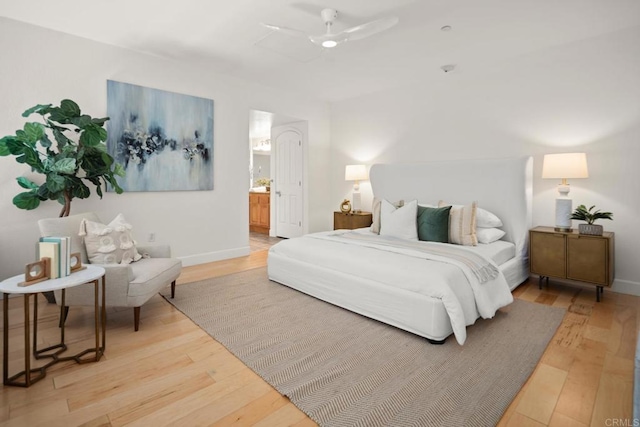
356, 173
564, 166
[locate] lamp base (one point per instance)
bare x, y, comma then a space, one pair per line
563, 214
357, 202
563, 229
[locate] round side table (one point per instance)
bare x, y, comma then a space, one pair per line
89, 274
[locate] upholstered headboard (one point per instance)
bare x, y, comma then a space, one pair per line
502, 186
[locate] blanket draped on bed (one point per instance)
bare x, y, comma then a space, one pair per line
469, 261
487, 282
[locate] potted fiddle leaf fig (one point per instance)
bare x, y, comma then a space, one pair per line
68, 148
581, 213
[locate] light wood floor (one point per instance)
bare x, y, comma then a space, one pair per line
172, 373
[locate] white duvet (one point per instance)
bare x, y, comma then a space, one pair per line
404, 265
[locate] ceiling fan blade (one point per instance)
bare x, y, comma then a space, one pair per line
368, 29
284, 30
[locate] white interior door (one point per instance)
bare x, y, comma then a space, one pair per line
288, 183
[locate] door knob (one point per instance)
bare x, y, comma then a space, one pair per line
278, 193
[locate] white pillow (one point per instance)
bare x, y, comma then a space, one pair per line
399, 222
109, 244
375, 213
484, 218
489, 235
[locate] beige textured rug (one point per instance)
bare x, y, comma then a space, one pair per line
343, 369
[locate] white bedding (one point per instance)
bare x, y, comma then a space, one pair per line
383, 263
498, 251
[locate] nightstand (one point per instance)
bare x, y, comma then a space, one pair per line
573, 256
351, 220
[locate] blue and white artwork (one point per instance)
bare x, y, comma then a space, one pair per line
164, 140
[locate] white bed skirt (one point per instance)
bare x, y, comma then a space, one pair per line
419, 314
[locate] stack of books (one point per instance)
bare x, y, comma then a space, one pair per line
58, 250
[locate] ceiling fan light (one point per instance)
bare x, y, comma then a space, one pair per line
329, 43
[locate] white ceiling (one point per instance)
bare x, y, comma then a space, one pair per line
222, 35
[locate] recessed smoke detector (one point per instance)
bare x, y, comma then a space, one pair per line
448, 68
445, 28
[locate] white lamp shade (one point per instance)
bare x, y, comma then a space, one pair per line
355, 173
565, 165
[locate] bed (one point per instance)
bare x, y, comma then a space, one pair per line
393, 281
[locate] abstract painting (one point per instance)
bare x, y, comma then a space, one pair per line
164, 140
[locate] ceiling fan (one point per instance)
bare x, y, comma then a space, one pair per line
331, 39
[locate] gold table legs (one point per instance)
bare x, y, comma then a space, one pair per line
33, 375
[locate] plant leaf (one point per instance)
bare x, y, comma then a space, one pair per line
117, 187
66, 166
45, 141
82, 121
70, 151
40, 109
26, 183
119, 170
55, 183
44, 193
81, 191
102, 148
4, 148
47, 163
91, 135
107, 160
103, 133
100, 121
112, 181
61, 139
22, 136
70, 108
57, 114
32, 158
34, 131
28, 200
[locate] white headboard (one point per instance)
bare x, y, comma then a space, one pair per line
502, 186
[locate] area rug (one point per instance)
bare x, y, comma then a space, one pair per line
343, 369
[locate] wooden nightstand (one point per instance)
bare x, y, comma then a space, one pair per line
351, 220
573, 256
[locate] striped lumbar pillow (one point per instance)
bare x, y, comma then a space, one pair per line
462, 224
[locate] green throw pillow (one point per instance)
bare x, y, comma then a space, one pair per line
433, 224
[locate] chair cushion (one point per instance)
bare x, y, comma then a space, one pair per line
151, 275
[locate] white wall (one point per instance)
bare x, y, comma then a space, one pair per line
43, 66
579, 97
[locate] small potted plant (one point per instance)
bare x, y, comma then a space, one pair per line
590, 216
264, 182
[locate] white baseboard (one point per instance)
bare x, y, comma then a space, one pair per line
626, 287
214, 256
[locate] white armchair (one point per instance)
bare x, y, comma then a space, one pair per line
127, 285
